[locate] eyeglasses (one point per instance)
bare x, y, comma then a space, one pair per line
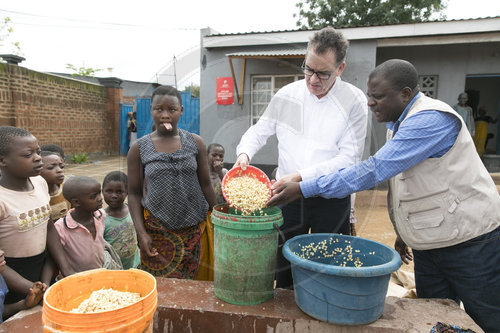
319, 75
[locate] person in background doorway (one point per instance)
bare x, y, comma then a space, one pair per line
482, 136
465, 112
321, 124
447, 214
132, 127
215, 154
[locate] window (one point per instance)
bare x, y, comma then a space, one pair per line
428, 85
263, 89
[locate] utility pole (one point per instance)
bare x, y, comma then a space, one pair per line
175, 73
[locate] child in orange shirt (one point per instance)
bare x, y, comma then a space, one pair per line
53, 173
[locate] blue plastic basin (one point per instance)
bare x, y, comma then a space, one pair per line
343, 295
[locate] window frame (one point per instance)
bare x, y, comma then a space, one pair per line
273, 90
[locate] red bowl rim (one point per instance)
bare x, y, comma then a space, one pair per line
261, 176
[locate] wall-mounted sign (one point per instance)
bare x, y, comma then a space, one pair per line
225, 90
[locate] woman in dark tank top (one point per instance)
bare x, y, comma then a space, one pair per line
170, 193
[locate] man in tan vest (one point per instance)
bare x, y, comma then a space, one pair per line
441, 200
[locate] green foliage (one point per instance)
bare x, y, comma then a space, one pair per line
85, 71
317, 14
195, 90
79, 158
6, 31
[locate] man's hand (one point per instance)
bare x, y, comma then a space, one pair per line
242, 161
403, 250
293, 177
285, 193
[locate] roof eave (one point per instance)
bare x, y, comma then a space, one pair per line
435, 28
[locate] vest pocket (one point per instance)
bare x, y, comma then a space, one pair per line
425, 220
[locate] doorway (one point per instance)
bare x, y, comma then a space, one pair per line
484, 93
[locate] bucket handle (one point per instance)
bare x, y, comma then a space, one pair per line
282, 235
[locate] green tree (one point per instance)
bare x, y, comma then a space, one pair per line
195, 90
317, 14
6, 31
85, 71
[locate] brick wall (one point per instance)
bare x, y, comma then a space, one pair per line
79, 116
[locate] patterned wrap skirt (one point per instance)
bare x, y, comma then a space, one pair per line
183, 254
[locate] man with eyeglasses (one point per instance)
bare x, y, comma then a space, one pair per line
320, 123
442, 201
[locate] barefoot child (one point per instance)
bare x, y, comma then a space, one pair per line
82, 229
53, 173
33, 298
26, 229
170, 193
215, 153
119, 230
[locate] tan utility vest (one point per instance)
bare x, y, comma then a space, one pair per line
443, 201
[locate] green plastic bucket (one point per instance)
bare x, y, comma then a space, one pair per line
245, 250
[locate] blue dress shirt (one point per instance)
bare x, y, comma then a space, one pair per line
427, 134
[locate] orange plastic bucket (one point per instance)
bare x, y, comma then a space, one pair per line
68, 293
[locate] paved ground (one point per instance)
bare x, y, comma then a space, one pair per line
99, 168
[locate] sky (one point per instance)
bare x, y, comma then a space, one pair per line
139, 39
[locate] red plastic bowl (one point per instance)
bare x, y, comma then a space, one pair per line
250, 171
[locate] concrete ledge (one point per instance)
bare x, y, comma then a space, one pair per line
191, 306
28, 321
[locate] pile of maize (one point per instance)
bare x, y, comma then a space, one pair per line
246, 193
106, 300
340, 256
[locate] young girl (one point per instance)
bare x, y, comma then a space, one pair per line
82, 229
53, 148
25, 225
53, 173
119, 230
215, 153
170, 216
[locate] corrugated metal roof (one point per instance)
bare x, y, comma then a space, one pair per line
269, 53
342, 27
416, 30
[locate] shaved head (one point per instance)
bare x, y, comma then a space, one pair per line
73, 187
399, 73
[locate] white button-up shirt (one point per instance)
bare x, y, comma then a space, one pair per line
315, 136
